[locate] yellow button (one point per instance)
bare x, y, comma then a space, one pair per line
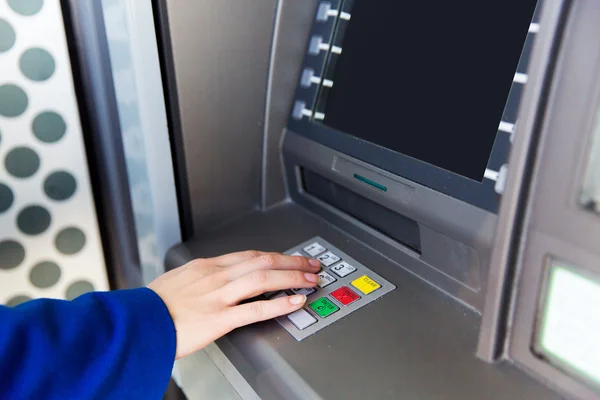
365, 284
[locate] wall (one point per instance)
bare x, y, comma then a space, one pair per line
49, 239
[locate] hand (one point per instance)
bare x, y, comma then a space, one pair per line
203, 296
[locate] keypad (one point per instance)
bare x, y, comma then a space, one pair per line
344, 286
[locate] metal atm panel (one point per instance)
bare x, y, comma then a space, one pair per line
560, 244
417, 341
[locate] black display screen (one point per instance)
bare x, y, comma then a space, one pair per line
429, 79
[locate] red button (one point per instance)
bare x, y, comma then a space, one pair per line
344, 295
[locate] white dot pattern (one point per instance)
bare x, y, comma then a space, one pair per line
86, 268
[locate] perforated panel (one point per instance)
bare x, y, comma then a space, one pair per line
49, 239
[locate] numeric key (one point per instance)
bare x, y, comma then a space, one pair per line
328, 259
343, 269
314, 249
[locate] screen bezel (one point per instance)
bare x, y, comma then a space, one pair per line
480, 194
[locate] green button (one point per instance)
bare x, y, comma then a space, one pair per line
323, 307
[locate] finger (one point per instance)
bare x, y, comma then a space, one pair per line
256, 311
273, 261
227, 260
261, 281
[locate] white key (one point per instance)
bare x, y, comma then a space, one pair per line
343, 269
328, 259
297, 253
314, 249
302, 319
304, 291
325, 279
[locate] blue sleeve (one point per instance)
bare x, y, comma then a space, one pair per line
107, 345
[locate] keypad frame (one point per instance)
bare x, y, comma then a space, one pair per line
361, 270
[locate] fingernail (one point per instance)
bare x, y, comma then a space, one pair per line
314, 263
312, 278
300, 299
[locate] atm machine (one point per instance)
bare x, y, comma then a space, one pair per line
440, 159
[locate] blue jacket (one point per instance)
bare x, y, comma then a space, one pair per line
110, 345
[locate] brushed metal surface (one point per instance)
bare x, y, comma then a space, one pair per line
455, 237
493, 327
293, 24
413, 343
221, 52
556, 227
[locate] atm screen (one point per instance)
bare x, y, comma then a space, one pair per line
428, 79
